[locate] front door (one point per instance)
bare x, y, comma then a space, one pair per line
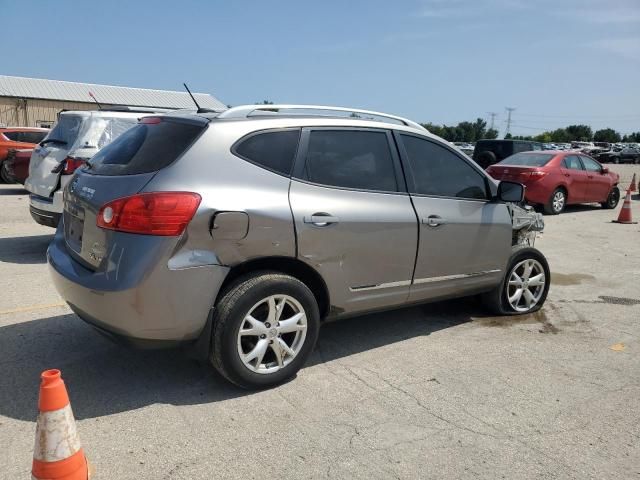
465, 239
575, 178
598, 185
354, 220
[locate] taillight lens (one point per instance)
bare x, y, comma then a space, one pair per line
71, 165
535, 175
156, 213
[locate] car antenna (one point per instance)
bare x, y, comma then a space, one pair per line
193, 98
95, 100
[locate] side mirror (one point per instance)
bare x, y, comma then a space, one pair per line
605, 170
511, 192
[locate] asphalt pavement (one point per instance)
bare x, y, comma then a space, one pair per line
437, 391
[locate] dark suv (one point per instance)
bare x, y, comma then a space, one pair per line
488, 152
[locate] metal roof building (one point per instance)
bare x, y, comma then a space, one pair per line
34, 102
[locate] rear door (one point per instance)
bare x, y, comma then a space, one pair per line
464, 238
575, 178
598, 185
354, 220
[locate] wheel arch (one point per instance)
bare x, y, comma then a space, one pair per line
287, 265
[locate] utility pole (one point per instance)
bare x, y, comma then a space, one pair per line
493, 116
509, 112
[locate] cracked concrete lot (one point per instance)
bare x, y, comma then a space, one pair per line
437, 391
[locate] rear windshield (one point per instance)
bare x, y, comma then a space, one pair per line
147, 147
501, 149
26, 137
66, 129
528, 159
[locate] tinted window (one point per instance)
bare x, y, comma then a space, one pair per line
591, 165
13, 136
572, 162
33, 137
536, 146
272, 150
528, 159
500, 148
351, 159
438, 171
145, 148
521, 147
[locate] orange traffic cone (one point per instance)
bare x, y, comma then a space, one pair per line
625, 213
58, 454
632, 187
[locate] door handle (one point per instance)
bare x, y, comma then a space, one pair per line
434, 221
321, 219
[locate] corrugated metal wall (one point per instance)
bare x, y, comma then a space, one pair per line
18, 112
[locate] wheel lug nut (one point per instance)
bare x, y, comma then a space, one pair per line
263, 336
268, 325
270, 342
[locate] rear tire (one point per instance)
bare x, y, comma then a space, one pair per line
486, 159
265, 326
504, 299
557, 202
3, 175
612, 199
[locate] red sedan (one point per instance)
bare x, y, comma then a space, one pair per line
556, 179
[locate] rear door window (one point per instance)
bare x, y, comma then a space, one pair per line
359, 159
438, 171
147, 147
12, 136
273, 150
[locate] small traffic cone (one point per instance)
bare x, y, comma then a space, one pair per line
632, 187
58, 454
625, 213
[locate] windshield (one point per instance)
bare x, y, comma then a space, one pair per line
528, 159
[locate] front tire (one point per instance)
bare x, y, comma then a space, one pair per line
557, 202
4, 178
524, 287
264, 329
612, 199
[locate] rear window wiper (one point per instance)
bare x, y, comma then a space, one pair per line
53, 140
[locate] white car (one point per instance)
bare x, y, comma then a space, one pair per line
75, 138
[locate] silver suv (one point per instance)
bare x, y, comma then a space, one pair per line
241, 231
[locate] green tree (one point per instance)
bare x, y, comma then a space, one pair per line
632, 137
508, 136
491, 134
607, 135
264, 102
581, 133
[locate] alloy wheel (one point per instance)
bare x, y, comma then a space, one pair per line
526, 285
272, 334
558, 201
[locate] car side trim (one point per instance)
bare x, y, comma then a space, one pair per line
454, 277
366, 288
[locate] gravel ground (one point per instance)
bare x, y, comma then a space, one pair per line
439, 391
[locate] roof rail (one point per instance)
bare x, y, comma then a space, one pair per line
245, 111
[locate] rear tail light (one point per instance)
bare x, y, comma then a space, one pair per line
156, 213
535, 175
71, 164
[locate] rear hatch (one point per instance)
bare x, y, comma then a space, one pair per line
74, 139
121, 169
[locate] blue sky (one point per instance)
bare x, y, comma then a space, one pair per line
557, 61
